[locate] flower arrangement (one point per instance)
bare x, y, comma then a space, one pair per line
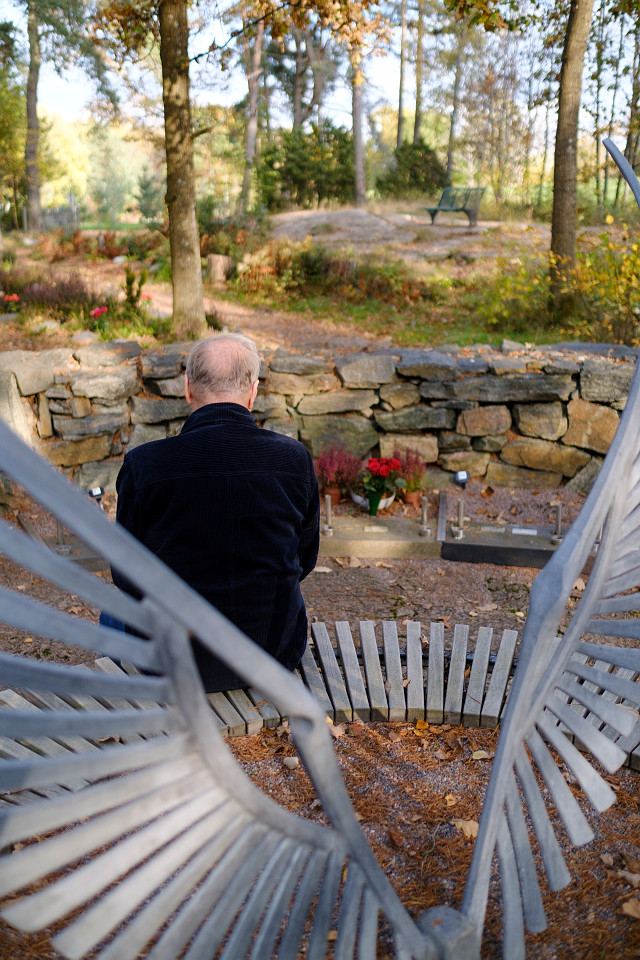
412, 468
336, 467
97, 312
11, 298
382, 475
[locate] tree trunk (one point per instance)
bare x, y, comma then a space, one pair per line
615, 86
253, 62
403, 44
298, 79
564, 215
32, 170
417, 122
186, 274
357, 80
455, 106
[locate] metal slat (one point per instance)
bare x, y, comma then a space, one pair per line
352, 672
609, 755
278, 906
513, 939
435, 674
597, 790
333, 678
534, 914
494, 699
372, 671
455, 679
323, 914
558, 875
478, 678
296, 920
415, 674
349, 914
393, 669
567, 806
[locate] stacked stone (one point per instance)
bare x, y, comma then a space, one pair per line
517, 418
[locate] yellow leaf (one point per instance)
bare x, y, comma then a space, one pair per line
468, 828
609, 218
450, 800
480, 755
422, 725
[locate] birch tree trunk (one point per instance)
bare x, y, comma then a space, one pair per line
564, 215
455, 105
403, 45
32, 169
186, 274
253, 63
357, 80
417, 121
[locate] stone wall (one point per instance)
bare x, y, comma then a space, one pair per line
516, 417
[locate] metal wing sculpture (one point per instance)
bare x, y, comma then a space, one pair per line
567, 689
141, 813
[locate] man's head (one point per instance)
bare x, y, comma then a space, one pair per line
223, 369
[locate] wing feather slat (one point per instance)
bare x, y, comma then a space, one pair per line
629, 629
558, 875
618, 717
99, 920
279, 906
235, 871
19, 823
513, 920
38, 860
575, 822
596, 789
248, 921
349, 914
24, 723
621, 686
152, 916
534, 914
44, 621
289, 947
368, 927
609, 755
15, 774
49, 905
60, 679
323, 914
628, 657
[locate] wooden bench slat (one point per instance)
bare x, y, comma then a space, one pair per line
494, 699
241, 702
267, 710
435, 674
352, 672
415, 675
313, 679
455, 679
478, 678
229, 720
373, 672
393, 669
331, 672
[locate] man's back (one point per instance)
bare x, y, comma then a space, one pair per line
233, 509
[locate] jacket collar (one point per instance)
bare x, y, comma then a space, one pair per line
217, 413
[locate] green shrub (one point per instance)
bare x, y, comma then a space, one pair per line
415, 169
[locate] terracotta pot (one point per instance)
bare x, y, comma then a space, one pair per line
413, 497
334, 493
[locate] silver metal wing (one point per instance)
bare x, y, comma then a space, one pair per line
121, 806
572, 693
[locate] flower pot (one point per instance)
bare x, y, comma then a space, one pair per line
334, 493
373, 500
412, 497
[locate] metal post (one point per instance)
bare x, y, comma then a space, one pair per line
424, 529
61, 545
557, 533
327, 528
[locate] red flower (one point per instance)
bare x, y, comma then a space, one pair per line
385, 470
374, 466
11, 298
394, 464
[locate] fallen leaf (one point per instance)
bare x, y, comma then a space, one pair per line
441, 755
405, 683
332, 935
632, 908
481, 510
513, 510
440, 572
472, 613
633, 879
468, 828
487, 491
632, 863
421, 724
519, 614
28, 640
290, 762
322, 570
356, 730
396, 838
354, 562
381, 563
450, 800
341, 561
282, 729
444, 727
387, 686
480, 755
336, 731
394, 735
579, 584
487, 607
607, 859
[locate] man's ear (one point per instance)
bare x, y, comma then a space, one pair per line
187, 390
254, 393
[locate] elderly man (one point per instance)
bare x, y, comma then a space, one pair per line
230, 507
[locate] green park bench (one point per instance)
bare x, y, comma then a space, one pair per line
127, 825
459, 200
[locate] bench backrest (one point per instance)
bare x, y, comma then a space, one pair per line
467, 198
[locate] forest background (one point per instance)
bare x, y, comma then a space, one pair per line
328, 103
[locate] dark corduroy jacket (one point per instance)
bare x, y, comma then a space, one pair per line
233, 509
